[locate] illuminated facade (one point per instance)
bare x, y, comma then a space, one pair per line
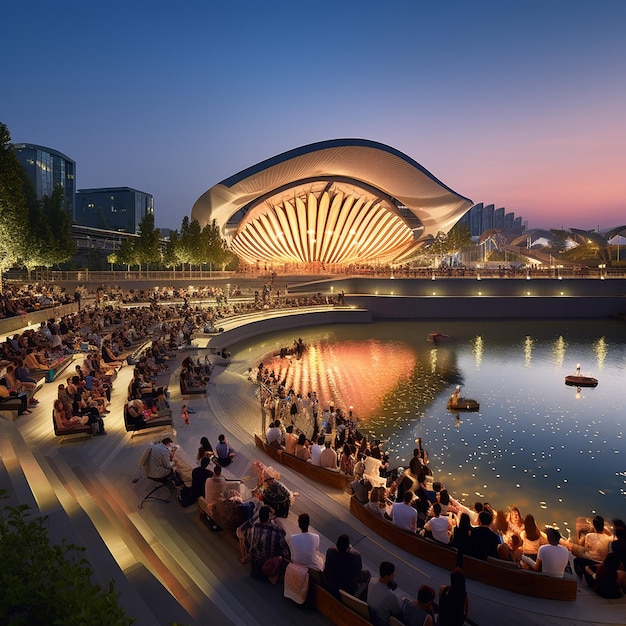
113, 208
335, 202
47, 168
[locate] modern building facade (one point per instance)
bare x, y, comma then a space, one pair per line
342, 201
47, 168
481, 218
113, 208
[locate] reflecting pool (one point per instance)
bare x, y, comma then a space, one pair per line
555, 451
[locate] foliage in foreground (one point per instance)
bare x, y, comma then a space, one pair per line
44, 584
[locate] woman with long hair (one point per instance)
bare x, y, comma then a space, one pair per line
532, 537
453, 602
461, 537
205, 449
516, 524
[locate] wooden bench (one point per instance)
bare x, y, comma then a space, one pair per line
75, 430
228, 523
10, 408
61, 366
189, 390
489, 572
349, 611
163, 419
318, 474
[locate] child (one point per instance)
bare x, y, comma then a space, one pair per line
184, 413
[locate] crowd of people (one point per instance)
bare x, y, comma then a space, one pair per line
20, 300
414, 501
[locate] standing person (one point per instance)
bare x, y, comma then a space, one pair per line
419, 612
382, 601
184, 413
453, 602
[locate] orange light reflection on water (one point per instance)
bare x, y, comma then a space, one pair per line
350, 374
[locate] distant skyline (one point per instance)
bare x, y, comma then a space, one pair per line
517, 104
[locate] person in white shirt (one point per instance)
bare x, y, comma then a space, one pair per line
316, 451
403, 514
552, 558
439, 526
305, 545
273, 434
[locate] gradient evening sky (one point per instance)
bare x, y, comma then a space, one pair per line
520, 103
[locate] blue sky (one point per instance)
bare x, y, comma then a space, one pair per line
521, 104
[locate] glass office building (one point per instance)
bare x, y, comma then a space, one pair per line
47, 168
113, 208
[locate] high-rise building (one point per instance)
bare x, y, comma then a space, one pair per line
113, 208
47, 168
481, 218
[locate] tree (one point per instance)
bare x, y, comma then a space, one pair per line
126, 255
13, 205
43, 584
171, 256
61, 245
147, 246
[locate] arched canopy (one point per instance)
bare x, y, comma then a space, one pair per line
338, 201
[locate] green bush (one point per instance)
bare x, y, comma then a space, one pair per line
48, 584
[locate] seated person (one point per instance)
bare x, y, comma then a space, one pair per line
214, 487
273, 435
483, 541
275, 494
6, 394
266, 540
361, 487
382, 601
552, 558
594, 547
302, 448
378, 502
199, 476
608, 581
305, 545
439, 526
64, 421
328, 458
343, 567
403, 514
160, 462
138, 413
419, 612
290, 440
225, 454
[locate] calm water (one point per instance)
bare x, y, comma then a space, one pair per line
555, 452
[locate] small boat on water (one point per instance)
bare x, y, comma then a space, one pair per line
578, 380
437, 337
458, 403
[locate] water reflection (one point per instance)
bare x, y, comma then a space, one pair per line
560, 346
477, 349
601, 350
553, 450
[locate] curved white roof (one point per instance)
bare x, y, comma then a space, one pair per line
304, 205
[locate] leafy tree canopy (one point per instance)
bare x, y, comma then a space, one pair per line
43, 584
